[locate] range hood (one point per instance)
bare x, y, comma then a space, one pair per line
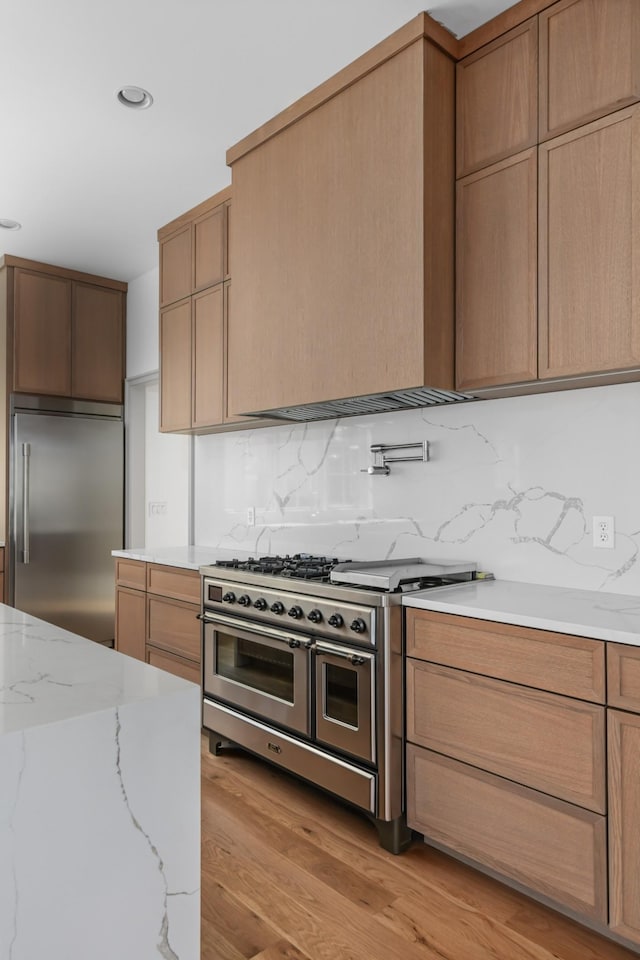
358, 406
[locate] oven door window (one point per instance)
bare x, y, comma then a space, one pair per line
345, 700
256, 665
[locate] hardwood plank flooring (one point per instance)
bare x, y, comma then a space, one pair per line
288, 873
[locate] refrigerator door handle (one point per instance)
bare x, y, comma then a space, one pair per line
26, 456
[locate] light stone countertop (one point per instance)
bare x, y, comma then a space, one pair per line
585, 613
190, 558
100, 800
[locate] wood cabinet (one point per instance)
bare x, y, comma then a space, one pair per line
497, 99
156, 616
624, 816
552, 847
589, 61
342, 236
194, 305
67, 331
580, 248
589, 276
496, 278
509, 774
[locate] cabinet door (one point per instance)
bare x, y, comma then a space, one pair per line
178, 666
97, 343
624, 817
175, 367
131, 607
208, 357
174, 626
176, 265
549, 846
496, 261
209, 234
42, 334
589, 288
497, 99
511, 731
589, 61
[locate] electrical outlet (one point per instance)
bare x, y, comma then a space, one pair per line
251, 516
603, 532
158, 508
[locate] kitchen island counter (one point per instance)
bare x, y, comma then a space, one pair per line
99, 807
586, 613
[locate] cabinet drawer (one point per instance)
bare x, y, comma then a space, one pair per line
173, 626
2, 558
130, 622
131, 573
573, 666
538, 739
174, 582
552, 847
623, 676
187, 669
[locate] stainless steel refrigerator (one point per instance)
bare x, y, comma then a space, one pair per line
66, 510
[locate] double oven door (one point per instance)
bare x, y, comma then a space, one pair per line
325, 692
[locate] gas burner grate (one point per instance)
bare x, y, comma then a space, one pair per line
300, 566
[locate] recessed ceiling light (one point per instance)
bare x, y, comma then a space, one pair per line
135, 97
10, 225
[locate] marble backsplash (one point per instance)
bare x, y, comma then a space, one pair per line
512, 484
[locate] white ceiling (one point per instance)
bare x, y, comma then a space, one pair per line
91, 181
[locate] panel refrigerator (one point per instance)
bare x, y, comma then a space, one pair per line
66, 493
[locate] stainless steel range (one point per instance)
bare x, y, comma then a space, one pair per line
302, 665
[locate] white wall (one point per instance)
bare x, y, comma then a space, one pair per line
512, 484
142, 324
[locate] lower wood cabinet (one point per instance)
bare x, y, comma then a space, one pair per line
156, 616
624, 818
506, 755
552, 847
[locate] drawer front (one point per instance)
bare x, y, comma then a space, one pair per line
544, 741
623, 676
187, 669
552, 847
174, 626
572, 666
174, 582
130, 622
131, 573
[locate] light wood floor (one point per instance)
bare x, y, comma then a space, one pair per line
290, 874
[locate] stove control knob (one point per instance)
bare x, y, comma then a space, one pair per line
277, 607
358, 625
229, 597
261, 604
296, 613
315, 616
335, 620
244, 600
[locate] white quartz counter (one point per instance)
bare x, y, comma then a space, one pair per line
99, 801
585, 613
191, 558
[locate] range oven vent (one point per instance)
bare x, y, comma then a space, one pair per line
372, 403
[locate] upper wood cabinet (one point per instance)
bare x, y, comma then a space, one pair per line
97, 342
193, 250
192, 362
68, 333
589, 276
497, 99
589, 61
193, 328
342, 237
42, 334
496, 274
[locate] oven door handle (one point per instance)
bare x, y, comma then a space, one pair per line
259, 631
355, 659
